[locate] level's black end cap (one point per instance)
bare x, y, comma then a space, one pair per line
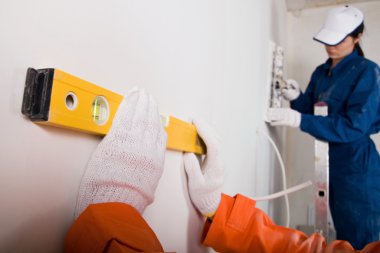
37, 93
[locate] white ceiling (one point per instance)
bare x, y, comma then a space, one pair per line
294, 5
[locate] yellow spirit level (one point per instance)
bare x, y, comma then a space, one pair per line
53, 97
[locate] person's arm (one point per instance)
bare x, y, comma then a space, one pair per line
111, 228
361, 112
237, 225
245, 228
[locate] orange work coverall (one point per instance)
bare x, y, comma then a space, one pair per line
238, 226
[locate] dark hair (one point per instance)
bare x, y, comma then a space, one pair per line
355, 34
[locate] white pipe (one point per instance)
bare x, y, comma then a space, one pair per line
284, 192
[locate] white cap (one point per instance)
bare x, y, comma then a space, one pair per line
340, 23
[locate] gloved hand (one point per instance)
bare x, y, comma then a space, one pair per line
128, 163
291, 91
283, 117
205, 181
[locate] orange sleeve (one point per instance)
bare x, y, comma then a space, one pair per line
238, 226
111, 228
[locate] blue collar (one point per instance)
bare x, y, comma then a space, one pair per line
341, 64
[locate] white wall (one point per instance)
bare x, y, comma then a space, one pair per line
304, 55
198, 58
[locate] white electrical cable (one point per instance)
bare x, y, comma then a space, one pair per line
283, 175
286, 191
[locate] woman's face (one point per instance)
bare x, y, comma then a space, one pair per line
338, 52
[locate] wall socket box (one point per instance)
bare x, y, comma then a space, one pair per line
276, 72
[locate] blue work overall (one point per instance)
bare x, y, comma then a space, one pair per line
352, 92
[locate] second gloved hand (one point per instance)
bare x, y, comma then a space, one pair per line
291, 91
205, 181
283, 117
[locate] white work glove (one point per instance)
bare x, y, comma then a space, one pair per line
283, 117
128, 163
291, 91
205, 181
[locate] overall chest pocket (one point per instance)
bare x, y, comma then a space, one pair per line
337, 95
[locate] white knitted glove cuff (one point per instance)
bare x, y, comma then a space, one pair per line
208, 203
105, 194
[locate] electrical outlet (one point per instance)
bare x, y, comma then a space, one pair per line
277, 76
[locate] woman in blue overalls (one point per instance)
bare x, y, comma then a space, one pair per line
350, 85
